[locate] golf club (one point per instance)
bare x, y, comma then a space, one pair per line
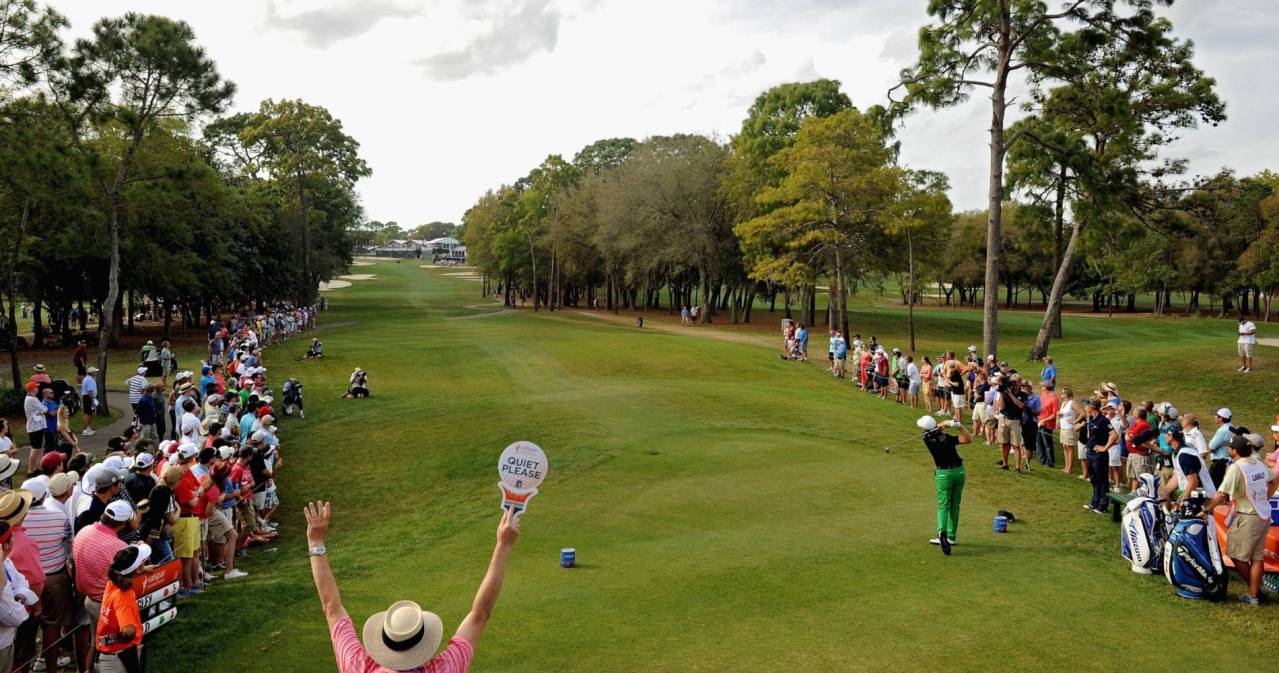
890, 447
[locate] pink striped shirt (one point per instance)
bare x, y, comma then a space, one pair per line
26, 557
51, 532
353, 658
93, 549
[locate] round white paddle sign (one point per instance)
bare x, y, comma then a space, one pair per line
522, 466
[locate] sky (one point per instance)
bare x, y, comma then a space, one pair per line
450, 98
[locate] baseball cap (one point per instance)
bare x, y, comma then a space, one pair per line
143, 461
188, 450
37, 486
51, 460
225, 452
1225, 413
1256, 440
1172, 412
106, 476
119, 511
1237, 442
1274, 428
60, 483
142, 370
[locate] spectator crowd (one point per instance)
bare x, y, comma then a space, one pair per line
1103, 437
192, 478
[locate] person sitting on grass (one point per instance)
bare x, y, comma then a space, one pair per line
404, 637
315, 350
359, 384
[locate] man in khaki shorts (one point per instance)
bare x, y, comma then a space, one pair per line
1008, 408
1249, 484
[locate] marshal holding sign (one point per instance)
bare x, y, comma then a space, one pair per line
522, 468
157, 595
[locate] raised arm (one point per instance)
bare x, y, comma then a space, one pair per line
473, 626
317, 526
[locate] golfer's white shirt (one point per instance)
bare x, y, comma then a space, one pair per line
1247, 326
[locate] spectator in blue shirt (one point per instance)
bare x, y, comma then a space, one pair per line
1220, 444
1049, 372
50, 419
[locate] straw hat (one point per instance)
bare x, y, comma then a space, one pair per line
14, 504
39, 368
403, 637
8, 466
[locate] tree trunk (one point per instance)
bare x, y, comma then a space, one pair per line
910, 292
1053, 312
995, 196
308, 292
11, 288
704, 305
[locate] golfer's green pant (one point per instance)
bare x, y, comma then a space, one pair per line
950, 488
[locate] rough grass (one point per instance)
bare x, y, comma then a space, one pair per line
730, 511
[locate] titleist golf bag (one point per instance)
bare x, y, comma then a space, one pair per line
1192, 557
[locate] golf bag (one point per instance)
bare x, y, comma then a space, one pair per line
1192, 559
1142, 535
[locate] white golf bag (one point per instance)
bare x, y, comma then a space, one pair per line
1142, 534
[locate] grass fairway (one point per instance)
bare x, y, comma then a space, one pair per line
730, 511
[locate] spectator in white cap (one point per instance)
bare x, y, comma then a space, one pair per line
1220, 459
92, 551
140, 480
104, 484
118, 633
404, 637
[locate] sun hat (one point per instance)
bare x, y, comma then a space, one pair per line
172, 475
403, 637
128, 560
926, 423
37, 486
1110, 387
13, 504
119, 511
8, 466
39, 368
60, 483
1224, 412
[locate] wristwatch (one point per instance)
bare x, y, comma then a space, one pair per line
318, 550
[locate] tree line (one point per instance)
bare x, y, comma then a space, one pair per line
1085, 197
123, 182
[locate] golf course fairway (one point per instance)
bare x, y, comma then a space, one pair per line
731, 512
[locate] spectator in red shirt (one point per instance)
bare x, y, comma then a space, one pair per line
1049, 405
404, 637
92, 552
1140, 439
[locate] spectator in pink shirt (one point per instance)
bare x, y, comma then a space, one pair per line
404, 637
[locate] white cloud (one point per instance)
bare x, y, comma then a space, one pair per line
509, 38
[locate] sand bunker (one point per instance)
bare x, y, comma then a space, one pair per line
333, 285
359, 276
363, 263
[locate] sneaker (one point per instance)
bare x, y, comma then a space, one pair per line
945, 544
1241, 369
88, 433
301, 414
64, 662
1250, 600
1099, 511
235, 575
1089, 506
935, 541
38, 665
1248, 371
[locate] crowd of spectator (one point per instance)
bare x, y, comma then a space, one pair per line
192, 478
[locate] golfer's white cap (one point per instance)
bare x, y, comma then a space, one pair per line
1225, 413
926, 423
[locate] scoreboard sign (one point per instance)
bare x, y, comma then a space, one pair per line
157, 593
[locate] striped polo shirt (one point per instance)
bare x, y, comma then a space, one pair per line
51, 531
93, 549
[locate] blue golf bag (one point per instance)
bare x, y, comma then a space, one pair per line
1142, 535
1192, 560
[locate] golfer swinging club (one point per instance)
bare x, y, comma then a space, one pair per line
949, 476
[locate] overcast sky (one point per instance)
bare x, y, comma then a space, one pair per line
449, 98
